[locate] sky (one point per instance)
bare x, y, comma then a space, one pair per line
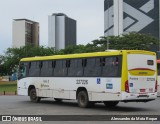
89, 15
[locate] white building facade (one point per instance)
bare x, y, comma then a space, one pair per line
61, 31
24, 32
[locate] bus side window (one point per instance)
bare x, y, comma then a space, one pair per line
72, 70
58, 70
22, 71
79, 67
54, 64
64, 67
158, 69
46, 69
89, 69
34, 69
29, 65
98, 68
68, 63
102, 61
115, 61
110, 69
50, 68
40, 64
84, 62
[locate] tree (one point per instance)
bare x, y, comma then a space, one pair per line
131, 41
10, 61
73, 49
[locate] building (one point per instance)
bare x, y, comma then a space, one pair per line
61, 31
25, 32
123, 16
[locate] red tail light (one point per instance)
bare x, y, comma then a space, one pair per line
126, 87
156, 86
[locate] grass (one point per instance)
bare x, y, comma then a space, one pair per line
8, 86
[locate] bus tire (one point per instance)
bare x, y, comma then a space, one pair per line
33, 96
58, 100
110, 103
83, 100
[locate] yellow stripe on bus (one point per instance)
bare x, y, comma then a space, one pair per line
142, 72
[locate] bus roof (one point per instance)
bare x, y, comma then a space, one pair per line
85, 55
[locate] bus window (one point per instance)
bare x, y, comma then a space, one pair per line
72, 72
102, 61
158, 69
92, 68
22, 71
79, 67
115, 61
46, 69
34, 69
111, 68
89, 69
98, 67
60, 69
150, 62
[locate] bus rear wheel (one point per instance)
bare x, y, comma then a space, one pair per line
33, 96
110, 103
83, 100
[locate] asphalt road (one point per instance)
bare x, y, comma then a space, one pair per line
21, 105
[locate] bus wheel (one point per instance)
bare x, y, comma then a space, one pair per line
83, 99
58, 100
33, 96
111, 103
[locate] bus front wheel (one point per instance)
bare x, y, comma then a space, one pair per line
33, 96
111, 103
83, 99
